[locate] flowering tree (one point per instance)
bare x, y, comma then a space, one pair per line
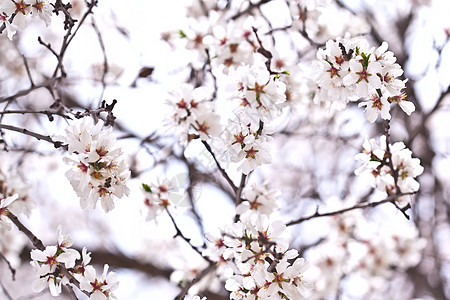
253, 150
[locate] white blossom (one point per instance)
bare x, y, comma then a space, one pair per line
100, 288
99, 172
375, 161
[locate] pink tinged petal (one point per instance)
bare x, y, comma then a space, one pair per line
407, 106
90, 274
242, 208
54, 286
86, 256
371, 114
350, 79
38, 255
39, 285
248, 283
385, 115
98, 295
69, 257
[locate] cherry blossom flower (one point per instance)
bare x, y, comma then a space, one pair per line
257, 91
81, 268
363, 76
43, 10
375, 105
193, 115
46, 262
247, 146
20, 8
407, 106
258, 200
101, 288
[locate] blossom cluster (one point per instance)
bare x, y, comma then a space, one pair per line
391, 169
57, 265
14, 15
256, 252
99, 172
193, 114
348, 70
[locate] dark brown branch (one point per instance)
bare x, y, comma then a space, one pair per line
37, 243
31, 133
69, 36
389, 199
25, 111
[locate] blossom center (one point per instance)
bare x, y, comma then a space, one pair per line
251, 153
333, 72
39, 5
363, 75
21, 6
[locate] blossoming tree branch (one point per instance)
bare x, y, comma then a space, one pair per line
271, 150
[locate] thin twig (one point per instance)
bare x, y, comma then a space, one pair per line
69, 37
31, 133
45, 84
238, 199
105, 58
188, 240
13, 271
389, 199
27, 68
224, 174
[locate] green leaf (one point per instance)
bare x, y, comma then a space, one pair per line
146, 188
365, 61
182, 34
96, 166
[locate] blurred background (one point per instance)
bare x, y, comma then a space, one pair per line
140, 52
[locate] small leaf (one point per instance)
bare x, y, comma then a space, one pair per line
146, 188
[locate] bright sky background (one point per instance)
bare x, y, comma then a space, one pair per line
143, 111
